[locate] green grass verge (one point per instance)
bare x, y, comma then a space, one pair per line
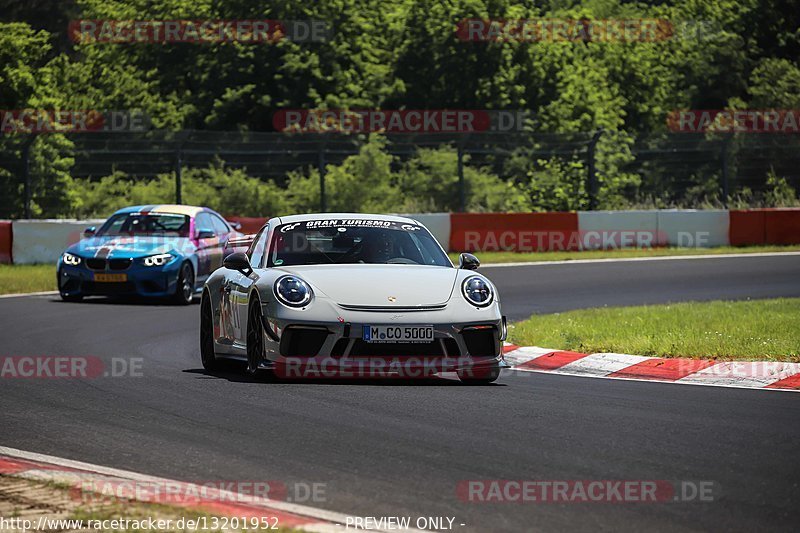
488, 258
758, 330
27, 278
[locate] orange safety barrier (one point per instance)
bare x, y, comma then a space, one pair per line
747, 227
782, 226
6, 236
516, 232
249, 224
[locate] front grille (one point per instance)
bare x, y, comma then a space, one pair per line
339, 348
392, 308
377, 349
96, 264
452, 348
119, 264
302, 342
480, 342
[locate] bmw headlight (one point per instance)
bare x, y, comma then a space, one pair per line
477, 291
292, 291
70, 259
157, 260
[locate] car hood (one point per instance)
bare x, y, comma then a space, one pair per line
130, 247
374, 285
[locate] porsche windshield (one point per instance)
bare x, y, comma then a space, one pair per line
320, 242
146, 224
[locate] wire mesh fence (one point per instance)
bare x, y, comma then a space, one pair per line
672, 170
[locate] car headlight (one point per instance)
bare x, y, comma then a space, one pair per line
157, 260
477, 291
70, 259
292, 291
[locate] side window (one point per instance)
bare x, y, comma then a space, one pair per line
220, 227
256, 251
204, 223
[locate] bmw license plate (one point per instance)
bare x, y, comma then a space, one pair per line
403, 334
111, 278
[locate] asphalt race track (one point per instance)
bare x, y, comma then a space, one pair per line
554, 288
395, 448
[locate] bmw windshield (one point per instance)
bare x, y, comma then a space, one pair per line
129, 224
354, 241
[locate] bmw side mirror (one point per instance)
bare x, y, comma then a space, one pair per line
205, 234
235, 225
468, 262
238, 261
90, 231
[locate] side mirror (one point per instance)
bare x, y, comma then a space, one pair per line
205, 234
468, 262
235, 225
90, 231
238, 261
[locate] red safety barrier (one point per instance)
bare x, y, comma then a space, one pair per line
515, 232
782, 226
249, 224
747, 227
6, 235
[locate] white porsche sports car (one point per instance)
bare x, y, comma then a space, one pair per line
351, 295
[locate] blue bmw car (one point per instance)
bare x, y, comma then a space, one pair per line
146, 250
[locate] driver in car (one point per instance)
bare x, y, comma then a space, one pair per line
379, 248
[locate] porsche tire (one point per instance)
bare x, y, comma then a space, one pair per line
481, 375
207, 354
184, 286
255, 337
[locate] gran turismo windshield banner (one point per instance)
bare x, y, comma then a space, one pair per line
349, 223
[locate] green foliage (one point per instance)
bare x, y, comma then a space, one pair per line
229, 191
780, 193
365, 182
429, 183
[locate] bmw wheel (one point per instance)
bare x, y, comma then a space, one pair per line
207, 354
184, 287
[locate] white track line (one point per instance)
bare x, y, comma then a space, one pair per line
23, 294
337, 519
636, 259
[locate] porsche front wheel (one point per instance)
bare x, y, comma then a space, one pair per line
255, 338
207, 355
